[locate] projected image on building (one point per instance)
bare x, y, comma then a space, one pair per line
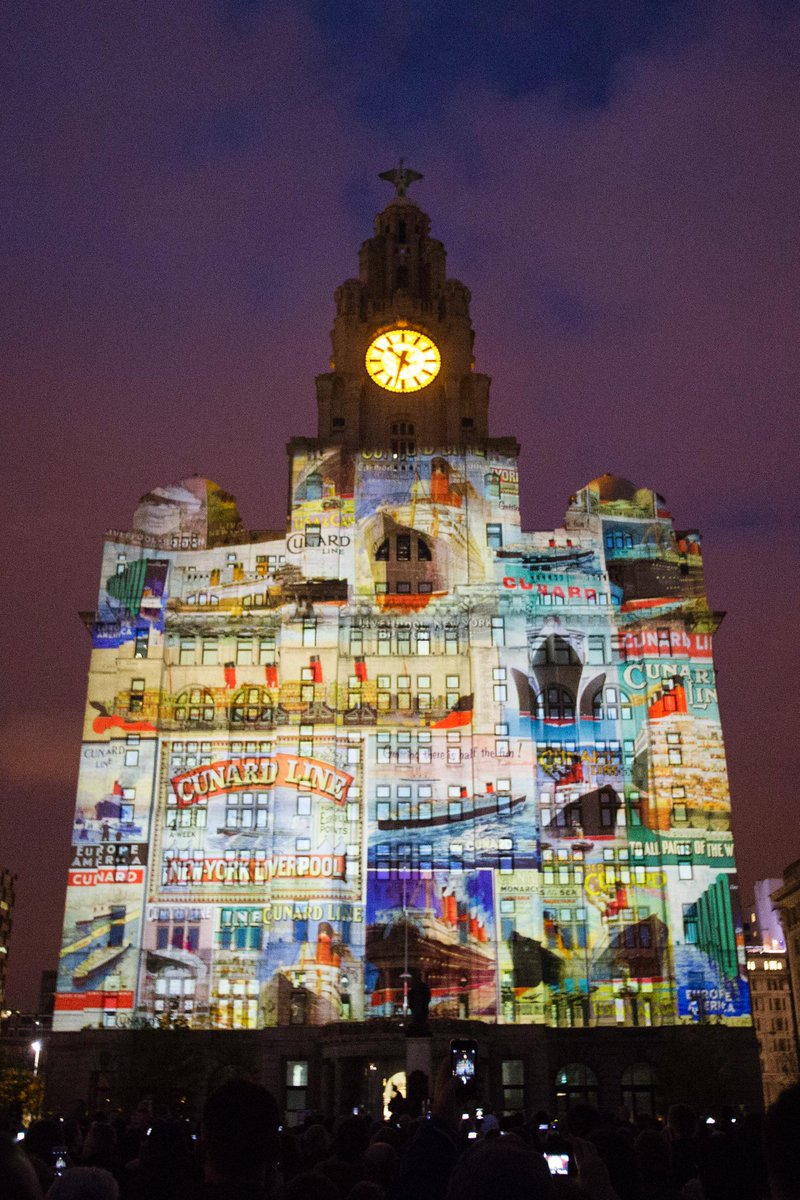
404, 739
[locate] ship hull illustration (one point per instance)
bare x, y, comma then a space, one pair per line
484, 805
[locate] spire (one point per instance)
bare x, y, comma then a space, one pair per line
402, 178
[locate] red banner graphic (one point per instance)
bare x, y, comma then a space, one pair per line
80, 1001
648, 642
93, 876
275, 770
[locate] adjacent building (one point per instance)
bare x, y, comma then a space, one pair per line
771, 993
8, 882
401, 738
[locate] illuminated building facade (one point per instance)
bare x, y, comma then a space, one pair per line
402, 738
771, 993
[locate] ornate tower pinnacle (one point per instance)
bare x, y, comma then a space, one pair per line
424, 378
402, 178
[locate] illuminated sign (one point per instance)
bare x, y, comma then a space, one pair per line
276, 770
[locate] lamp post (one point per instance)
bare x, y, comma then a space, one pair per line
36, 1047
585, 848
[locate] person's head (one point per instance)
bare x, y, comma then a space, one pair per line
782, 1145
582, 1119
350, 1138
315, 1141
311, 1185
18, 1179
682, 1121
100, 1141
500, 1170
240, 1131
652, 1156
84, 1183
381, 1163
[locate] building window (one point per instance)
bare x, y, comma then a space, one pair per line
498, 631
494, 536
141, 643
512, 1073
403, 439
639, 1090
195, 706
136, 699
247, 811
356, 640
596, 654
313, 534
576, 1084
210, 652
251, 706
309, 631
555, 703
186, 652
296, 1090
244, 651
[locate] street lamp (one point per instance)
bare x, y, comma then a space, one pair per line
36, 1047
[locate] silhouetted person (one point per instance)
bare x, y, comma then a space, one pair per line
84, 1183
345, 1167
419, 998
240, 1141
782, 1145
18, 1180
681, 1133
165, 1166
500, 1170
99, 1146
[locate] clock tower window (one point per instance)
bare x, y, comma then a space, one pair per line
403, 439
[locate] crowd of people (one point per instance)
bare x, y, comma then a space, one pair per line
241, 1151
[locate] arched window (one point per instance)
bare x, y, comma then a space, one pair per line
195, 706
575, 1084
639, 1089
403, 439
403, 547
611, 704
251, 706
555, 703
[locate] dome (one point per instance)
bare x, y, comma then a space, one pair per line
613, 487
193, 513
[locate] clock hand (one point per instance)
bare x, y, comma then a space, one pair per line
402, 357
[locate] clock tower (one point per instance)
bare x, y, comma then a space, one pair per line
402, 369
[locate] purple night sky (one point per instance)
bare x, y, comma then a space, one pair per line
184, 187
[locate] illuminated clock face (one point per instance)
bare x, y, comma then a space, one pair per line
403, 360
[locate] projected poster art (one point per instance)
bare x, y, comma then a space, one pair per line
403, 741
